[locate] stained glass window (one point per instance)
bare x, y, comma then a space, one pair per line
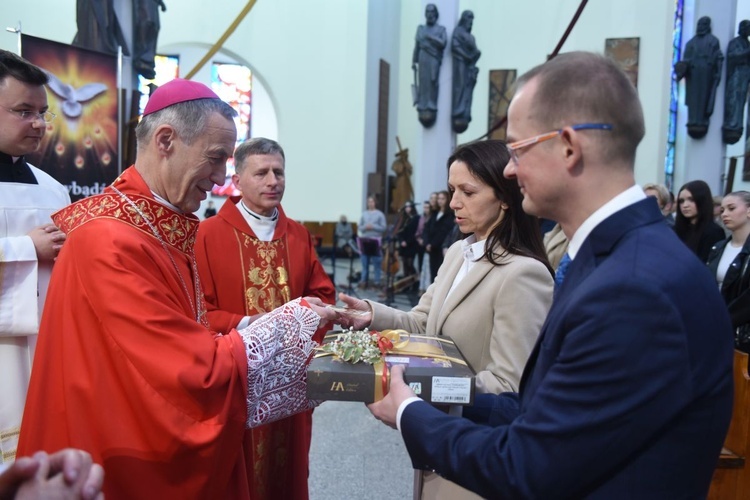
167, 68
233, 84
673, 96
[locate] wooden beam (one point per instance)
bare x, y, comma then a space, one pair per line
220, 43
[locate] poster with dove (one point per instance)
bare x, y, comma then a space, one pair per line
80, 146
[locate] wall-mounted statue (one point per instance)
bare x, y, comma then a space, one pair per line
738, 80
145, 31
98, 27
701, 68
428, 55
465, 57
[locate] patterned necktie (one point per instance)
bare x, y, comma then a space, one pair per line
562, 268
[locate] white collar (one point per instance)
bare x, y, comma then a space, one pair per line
472, 248
163, 201
261, 218
628, 197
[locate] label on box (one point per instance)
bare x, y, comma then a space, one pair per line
416, 387
402, 360
451, 390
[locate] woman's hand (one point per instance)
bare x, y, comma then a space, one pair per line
357, 314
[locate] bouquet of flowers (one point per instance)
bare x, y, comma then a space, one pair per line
366, 346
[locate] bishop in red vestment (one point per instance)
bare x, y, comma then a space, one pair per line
251, 259
126, 367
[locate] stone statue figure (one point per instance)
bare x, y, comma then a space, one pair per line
428, 55
701, 67
98, 27
465, 56
402, 189
145, 31
738, 80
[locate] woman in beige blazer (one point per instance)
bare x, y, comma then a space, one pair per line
493, 290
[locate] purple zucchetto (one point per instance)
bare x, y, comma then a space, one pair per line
176, 91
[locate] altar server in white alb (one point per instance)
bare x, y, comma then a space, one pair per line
29, 242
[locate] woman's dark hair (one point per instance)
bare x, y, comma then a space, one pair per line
409, 204
518, 233
447, 207
689, 233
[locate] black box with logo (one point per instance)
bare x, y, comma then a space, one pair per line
439, 374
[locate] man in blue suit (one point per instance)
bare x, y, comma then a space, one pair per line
628, 392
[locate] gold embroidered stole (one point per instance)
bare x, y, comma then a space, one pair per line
169, 227
177, 230
265, 273
265, 281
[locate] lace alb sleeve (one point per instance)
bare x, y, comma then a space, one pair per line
278, 348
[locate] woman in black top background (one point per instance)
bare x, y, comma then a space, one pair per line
436, 230
694, 220
406, 238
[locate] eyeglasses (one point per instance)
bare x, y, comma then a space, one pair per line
46, 116
513, 147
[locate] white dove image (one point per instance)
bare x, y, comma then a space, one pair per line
73, 98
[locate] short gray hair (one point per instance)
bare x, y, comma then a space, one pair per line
188, 119
255, 147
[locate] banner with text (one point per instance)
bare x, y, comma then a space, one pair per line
80, 146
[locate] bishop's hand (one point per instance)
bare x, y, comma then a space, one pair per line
322, 310
357, 314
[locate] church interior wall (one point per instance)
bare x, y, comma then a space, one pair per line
318, 63
520, 35
738, 149
428, 148
409, 128
312, 57
383, 43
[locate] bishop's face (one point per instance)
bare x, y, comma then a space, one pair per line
262, 180
194, 168
20, 136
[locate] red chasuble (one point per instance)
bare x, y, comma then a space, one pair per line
124, 369
243, 276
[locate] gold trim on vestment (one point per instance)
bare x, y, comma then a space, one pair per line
177, 230
6, 435
265, 276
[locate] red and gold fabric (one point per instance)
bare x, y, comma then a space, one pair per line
124, 370
243, 276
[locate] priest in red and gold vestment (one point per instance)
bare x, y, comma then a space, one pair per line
126, 367
251, 259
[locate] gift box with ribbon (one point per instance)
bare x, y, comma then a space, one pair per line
355, 366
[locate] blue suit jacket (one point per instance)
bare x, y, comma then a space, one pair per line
627, 394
